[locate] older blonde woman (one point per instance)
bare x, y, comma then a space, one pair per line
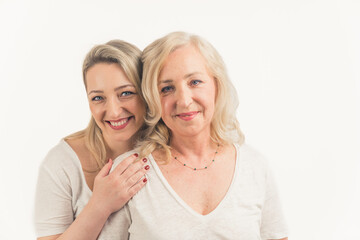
75, 192
204, 182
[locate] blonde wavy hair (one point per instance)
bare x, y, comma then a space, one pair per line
128, 57
224, 126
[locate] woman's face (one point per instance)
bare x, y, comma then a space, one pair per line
187, 92
114, 102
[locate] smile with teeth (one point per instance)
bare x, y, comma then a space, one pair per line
122, 122
119, 124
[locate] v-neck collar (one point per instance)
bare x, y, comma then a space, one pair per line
174, 194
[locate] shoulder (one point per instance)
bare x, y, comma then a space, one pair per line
83, 154
59, 172
121, 157
61, 156
247, 152
159, 155
249, 156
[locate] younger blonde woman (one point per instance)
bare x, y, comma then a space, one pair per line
76, 194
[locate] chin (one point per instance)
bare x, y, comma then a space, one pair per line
124, 138
119, 138
188, 132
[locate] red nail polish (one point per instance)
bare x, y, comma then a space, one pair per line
147, 167
136, 155
145, 180
144, 160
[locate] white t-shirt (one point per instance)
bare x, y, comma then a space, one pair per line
62, 193
250, 209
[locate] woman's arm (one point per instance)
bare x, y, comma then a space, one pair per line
86, 226
111, 192
273, 224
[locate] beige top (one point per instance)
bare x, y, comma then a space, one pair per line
250, 210
62, 193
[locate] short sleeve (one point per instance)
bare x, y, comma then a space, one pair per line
273, 224
53, 198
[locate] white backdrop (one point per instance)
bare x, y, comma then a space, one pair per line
295, 65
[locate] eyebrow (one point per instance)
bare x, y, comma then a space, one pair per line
185, 76
191, 74
165, 81
115, 89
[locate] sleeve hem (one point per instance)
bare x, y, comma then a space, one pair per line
278, 235
50, 232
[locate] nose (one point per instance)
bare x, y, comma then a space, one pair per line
114, 108
184, 97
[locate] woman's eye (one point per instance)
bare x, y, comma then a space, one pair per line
166, 89
97, 98
126, 93
195, 82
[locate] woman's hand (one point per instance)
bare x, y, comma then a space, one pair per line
113, 190
110, 193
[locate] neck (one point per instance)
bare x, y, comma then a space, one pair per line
194, 148
115, 149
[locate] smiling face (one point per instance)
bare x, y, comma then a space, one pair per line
114, 102
187, 92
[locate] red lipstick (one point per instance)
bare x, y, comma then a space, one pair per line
119, 124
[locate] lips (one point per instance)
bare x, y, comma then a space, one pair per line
119, 124
188, 115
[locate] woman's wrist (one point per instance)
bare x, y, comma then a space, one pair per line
98, 208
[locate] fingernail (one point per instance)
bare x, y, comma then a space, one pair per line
144, 180
144, 160
147, 167
136, 155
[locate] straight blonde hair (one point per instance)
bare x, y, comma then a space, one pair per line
128, 57
224, 126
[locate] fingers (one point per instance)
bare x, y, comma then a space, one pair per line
131, 174
134, 168
135, 188
136, 177
106, 169
125, 164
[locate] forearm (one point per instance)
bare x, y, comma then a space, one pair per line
88, 224
110, 193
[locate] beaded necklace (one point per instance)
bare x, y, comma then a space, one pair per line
197, 169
